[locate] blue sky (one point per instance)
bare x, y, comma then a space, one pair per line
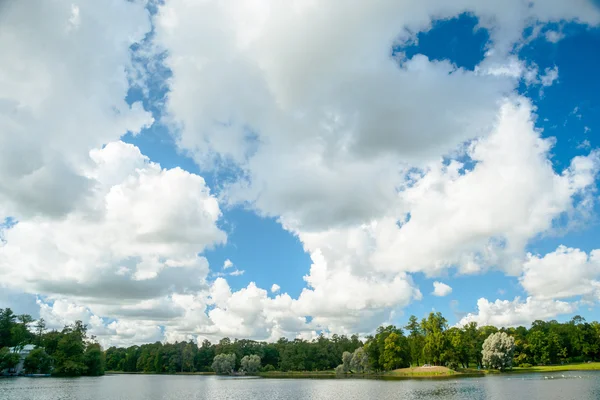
290, 149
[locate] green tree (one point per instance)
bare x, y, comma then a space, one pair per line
393, 352
434, 345
38, 362
415, 339
69, 355
40, 328
8, 359
93, 359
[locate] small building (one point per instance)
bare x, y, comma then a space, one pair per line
23, 353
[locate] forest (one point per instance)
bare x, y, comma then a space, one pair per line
427, 341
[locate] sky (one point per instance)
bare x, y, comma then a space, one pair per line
196, 169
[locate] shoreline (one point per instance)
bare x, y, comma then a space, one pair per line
468, 373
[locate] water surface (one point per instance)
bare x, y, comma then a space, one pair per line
557, 386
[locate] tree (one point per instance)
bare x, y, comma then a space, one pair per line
346, 361
457, 350
415, 339
38, 362
7, 321
498, 350
250, 364
8, 359
393, 351
223, 363
93, 360
360, 361
187, 357
40, 327
69, 355
434, 345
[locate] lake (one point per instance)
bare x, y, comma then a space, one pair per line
559, 386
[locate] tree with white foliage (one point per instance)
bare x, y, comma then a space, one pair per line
223, 363
250, 364
360, 361
498, 351
346, 361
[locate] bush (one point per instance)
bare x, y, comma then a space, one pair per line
268, 368
38, 361
525, 365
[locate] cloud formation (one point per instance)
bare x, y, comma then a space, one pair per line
381, 165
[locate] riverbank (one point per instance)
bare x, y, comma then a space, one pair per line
404, 373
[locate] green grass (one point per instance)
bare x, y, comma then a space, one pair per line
595, 366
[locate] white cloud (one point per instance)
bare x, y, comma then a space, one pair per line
440, 289
338, 142
550, 76
62, 94
137, 236
340, 124
237, 272
564, 273
554, 36
514, 313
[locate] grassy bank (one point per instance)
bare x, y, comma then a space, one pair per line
595, 366
404, 373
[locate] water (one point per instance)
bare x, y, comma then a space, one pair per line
557, 386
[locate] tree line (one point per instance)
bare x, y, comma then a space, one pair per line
427, 341
68, 352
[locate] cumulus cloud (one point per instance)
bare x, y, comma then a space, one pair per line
137, 237
517, 312
564, 273
63, 89
373, 186
440, 289
360, 178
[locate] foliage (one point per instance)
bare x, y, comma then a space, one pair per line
8, 359
428, 340
250, 364
360, 361
498, 351
224, 363
268, 368
346, 361
93, 359
38, 362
